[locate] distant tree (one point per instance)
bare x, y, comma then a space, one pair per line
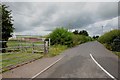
75, 32
7, 25
95, 37
83, 32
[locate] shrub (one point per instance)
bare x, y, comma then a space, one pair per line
78, 39
61, 36
109, 36
109, 40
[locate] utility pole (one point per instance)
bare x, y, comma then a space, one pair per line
102, 29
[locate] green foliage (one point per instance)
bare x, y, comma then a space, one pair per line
95, 37
83, 32
108, 46
61, 36
117, 53
79, 39
56, 50
76, 32
76, 39
9, 60
7, 26
109, 36
109, 40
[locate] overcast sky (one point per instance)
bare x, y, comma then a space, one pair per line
40, 18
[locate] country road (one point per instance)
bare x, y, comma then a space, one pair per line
89, 60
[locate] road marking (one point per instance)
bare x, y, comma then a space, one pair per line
46, 68
102, 67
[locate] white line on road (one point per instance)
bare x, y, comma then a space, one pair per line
46, 68
102, 67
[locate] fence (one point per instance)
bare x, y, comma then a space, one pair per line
22, 50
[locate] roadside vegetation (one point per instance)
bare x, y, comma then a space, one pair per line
14, 59
56, 50
111, 40
61, 36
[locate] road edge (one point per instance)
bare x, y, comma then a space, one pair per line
47, 68
102, 68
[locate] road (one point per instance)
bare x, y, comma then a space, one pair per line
79, 62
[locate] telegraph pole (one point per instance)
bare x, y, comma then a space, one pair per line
102, 29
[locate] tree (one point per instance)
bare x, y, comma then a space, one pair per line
83, 32
7, 25
95, 37
76, 32
61, 36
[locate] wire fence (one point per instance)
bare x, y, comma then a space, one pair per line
21, 51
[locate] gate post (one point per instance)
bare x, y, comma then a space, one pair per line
49, 43
45, 46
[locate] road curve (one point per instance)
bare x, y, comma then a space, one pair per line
78, 63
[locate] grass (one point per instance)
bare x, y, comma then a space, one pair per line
108, 38
117, 53
12, 59
56, 50
20, 56
17, 58
110, 48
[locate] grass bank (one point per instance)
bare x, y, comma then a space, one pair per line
10, 60
111, 40
56, 50
117, 53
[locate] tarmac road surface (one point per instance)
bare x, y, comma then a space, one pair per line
89, 60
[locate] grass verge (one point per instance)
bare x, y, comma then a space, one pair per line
13, 59
56, 50
117, 53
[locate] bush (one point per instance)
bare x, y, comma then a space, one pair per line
61, 36
109, 36
78, 39
108, 46
109, 40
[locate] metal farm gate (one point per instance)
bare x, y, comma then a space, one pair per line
34, 45
22, 50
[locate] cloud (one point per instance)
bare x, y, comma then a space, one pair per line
42, 18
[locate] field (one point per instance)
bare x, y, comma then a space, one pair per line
20, 52
12, 59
